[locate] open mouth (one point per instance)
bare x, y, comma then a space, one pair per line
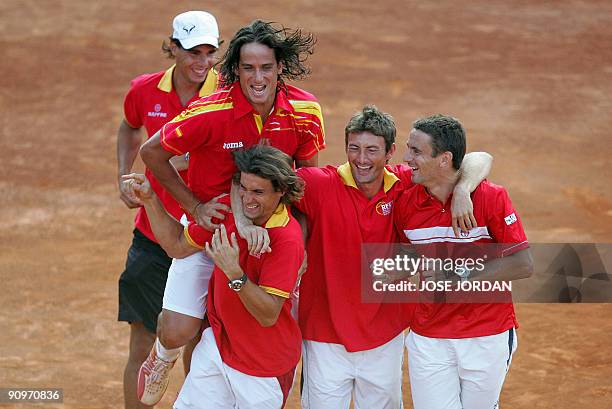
258, 90
251, 207
200, 72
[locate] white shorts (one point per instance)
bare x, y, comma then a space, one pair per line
332, 376
187, 284
465, 373
211, 384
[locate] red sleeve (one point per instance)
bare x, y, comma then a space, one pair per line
316, 180
279, 269
404, 173
503, 223
399, 216
188, 131
131, 107
309, 123
197, 235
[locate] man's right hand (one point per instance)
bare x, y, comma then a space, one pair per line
127, 196
204, 212
137, 187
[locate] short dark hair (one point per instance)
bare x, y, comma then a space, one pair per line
447, 135
291, 47
371, 119
274, 165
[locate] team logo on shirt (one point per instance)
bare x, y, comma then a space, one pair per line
156, 113
384, 209
232, 145
510, 219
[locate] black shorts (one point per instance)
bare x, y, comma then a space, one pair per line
142, 284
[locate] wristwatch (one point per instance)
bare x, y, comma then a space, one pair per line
463, 272
238, 283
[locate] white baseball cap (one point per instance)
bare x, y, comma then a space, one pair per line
194, 28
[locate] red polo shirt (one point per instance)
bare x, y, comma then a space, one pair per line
211, 128
340, 220
423, 219
151, 102
243, 343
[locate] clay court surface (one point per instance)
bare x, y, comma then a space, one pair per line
531, 82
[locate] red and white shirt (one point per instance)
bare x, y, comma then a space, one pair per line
422, 219
243, 343
151, 102
340, 220
211, 128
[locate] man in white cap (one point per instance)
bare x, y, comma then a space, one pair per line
153, 100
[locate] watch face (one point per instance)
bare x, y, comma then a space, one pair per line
462, 271
237, 284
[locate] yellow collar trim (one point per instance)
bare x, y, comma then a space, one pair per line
280, 217
346, 175
165, 83
210, 84
208, 87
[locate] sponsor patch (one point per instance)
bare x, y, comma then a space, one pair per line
510, 219
156, 113
384, 209
232, 145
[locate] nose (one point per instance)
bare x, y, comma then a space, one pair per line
362, 157
258, 75
247, 197
407, 156
209, 60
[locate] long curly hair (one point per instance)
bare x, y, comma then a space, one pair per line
291, 47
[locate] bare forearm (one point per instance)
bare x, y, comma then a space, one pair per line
167, 230
236, 202
179, 162
128, 142
514, 267
264, 307
157, 159
474, 169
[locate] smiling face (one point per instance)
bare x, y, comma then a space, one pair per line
259, 199
193, 65
258, 71
367, 157
425, 167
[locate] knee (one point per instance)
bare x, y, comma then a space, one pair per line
176, 331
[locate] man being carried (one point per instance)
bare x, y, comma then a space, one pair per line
255, 107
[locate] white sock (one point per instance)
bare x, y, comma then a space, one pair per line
168, 355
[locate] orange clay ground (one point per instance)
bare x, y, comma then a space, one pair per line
531, 81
